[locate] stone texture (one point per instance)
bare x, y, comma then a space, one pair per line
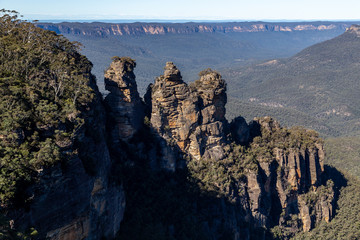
76, 199
125, 107
174, 114
191, 118
211, 133
294, 174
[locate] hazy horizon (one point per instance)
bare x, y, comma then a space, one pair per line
192, 20
188, 10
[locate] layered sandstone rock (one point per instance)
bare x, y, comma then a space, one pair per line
174, 114
190, 117
291, 176
124, 104
210, 135
138, 29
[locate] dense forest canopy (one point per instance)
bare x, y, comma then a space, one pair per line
44, 85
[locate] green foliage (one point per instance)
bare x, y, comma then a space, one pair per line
319, 86
44, 85
8, 233
218, 177
344, 153
346, 223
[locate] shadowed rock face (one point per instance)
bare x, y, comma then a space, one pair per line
124, 104
289, 179
282, 182
192, 118
77, 199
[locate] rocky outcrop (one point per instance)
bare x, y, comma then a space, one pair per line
174, 114
77, 199
354, 29
174, 110
242, 178
289, 163
125, 106
290, 174
191, 117
316, 206
210, 135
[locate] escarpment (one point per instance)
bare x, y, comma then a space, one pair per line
176, 149
55, 163
264, 172
75, 198
69, 158
291, 162
136, 29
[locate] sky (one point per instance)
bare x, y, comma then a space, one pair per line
186, 9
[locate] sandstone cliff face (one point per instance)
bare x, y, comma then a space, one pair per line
125, 107
211, 133
354, 29
288, 164
110, 29
76, 198
262, 175
291, 174
191, 117
174, 114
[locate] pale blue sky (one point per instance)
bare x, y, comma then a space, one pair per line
187, 9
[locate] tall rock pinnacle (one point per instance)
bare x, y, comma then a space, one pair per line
125, 105
211, 133
192, 117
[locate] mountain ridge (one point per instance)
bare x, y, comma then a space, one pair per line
143, 28
320, 81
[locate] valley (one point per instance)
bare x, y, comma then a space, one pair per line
192, 46
179, 131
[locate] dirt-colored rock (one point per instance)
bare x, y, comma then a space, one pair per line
192, 117
124, 103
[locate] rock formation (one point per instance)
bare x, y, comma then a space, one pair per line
76, 199
192, 117
210, 135
124, 104
355, 29
247, 177
291, 173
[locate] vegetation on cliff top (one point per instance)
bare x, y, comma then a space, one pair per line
346, 222
44, 86
218, 176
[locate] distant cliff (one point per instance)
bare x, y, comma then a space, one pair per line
111, 29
